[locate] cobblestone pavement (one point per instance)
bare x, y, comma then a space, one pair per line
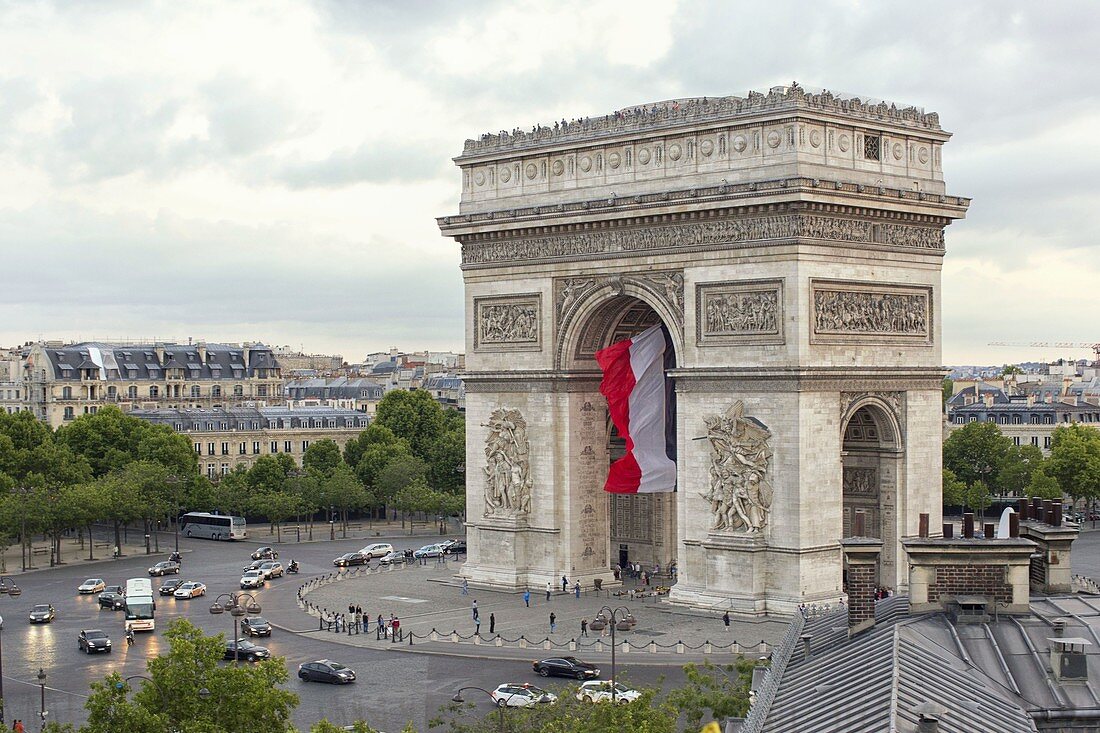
430, 597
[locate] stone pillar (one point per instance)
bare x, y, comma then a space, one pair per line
861, 555
1051, 571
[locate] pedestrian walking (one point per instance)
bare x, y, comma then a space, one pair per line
577, 588
645, 578
473, 609
564, 584
477, 626
527, 597
465, 587
726, 620
351, 609
553, 622
18, 726
396, 626
381, 621
584, 627
492, 624
548, 589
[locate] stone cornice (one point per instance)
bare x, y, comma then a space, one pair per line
582, 213
689, 113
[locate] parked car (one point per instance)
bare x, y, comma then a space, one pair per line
350, 558
255, 626
253, 579
394, 558
169, 587
92, 585
93, 640
190, 589
325, 670
112, 598
455, 547
165, 567
265, 553
245, 649
272, 569
429, 551
43, 613
377, 550
515, 695
566, 667
600, 691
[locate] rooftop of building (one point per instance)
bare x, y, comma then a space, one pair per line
149, 361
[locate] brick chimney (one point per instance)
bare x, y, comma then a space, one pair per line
861, 556
1051, 568
944, 570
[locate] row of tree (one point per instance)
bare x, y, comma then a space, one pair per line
980, 462
189, 690
114, 468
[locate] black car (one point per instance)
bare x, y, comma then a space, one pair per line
246, 650
325, 670
265, 553
566, 667
43, 613
165, 567
351, 558
93, 640
256, 626
112, 598
458, 547
168, 587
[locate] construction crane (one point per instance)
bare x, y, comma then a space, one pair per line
1052, 345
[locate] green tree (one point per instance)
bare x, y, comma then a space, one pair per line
414, 416
723, 691
954, 491
322, 458
267, 474
342, 491
1017, 466
948, 390
568, 715
975, 452
1010, 369
277, 506
447, 462
375, 434
979, 497
1043, 485
323, 726
396, 475
1075, 460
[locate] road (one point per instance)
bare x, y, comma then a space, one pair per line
393, 687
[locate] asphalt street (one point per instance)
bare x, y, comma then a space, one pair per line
393, 686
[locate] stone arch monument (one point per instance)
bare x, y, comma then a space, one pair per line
791, 244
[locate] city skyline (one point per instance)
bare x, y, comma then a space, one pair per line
243, 172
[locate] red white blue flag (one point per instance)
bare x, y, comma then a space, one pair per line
635, 388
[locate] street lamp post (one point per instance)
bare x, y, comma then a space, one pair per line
500, 708
174, 481
332, 523
620, 615
42, 684
236, 610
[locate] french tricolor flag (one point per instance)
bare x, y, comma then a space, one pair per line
638, 399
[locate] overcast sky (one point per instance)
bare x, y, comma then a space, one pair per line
271, 170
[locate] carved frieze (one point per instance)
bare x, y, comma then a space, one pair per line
844, 312
508, 323
507, 468
860, 481
722, 231
748, 311
740, 490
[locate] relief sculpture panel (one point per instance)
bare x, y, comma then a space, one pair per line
844, 312
749, 311
740, 490
507, 468
507, 323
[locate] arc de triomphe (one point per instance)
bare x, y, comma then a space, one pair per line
791, 243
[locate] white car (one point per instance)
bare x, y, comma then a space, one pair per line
429, 551
517, 695
377, 550
253, 579
92, 585
190, 589
600, 691
272, 569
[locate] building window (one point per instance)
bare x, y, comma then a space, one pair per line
198, 449
68, 413
225, 449
66, 393
261, 391
154, 391
255, 447
1035, 440
225, 469
305, 445
1015, 440
1046, 442
131, 392
274, 446
973, 418
112, 393
238, 390
209, 449
211, 469
872, 147
216, 391
225, 425
243, 449
288, 446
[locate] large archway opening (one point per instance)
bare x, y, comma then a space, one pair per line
641, 528
870, 455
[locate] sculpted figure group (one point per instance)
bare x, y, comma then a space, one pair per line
507, 470
739, 492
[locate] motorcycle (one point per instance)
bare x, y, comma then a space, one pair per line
174, 557
292, 567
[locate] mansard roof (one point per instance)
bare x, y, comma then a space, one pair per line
140, 362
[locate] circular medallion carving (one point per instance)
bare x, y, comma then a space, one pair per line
922, 155
706, 148
897, 151
614, 160
643, 156
586, 164
558, 167
843, 142
479, 178
739, 143
532, 170
505, 175
815, 138
674, 151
